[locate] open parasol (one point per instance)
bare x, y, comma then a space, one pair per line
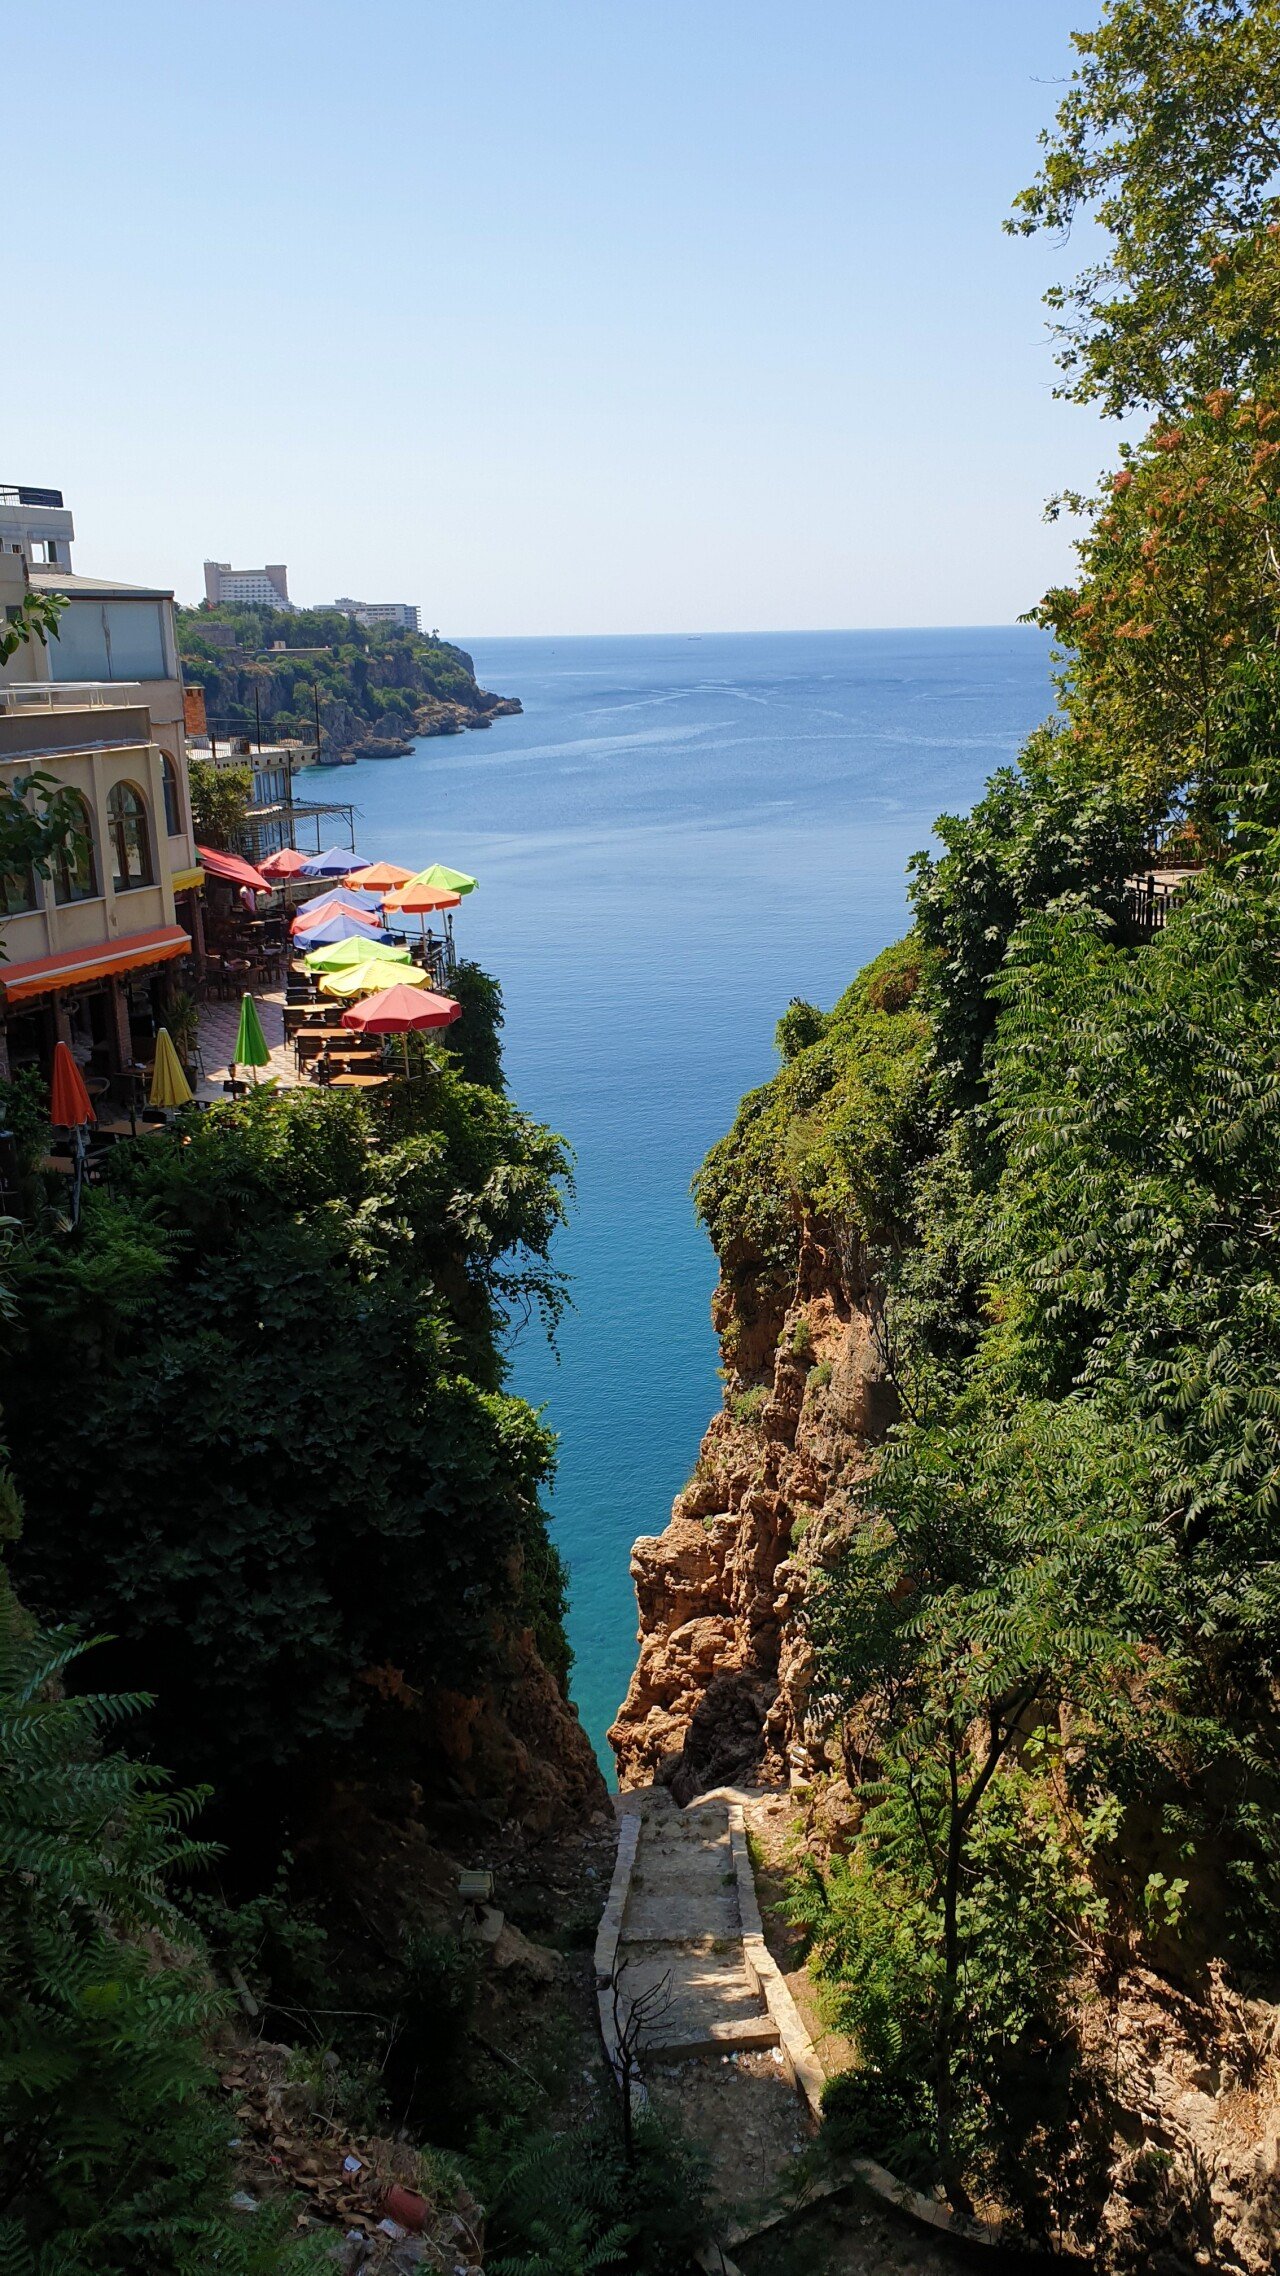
398, 1010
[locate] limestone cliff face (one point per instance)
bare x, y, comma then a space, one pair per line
720, 1688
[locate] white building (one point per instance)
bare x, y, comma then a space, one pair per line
402, 614
36, 524
225, 587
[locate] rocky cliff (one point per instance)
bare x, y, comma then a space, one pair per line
720, 1689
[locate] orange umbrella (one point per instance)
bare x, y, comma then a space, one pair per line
70, 1105
418, 898
379, 877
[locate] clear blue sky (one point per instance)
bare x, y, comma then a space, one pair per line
551, 315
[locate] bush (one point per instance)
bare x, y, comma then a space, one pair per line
569, 2204
291, 1480
113, 2157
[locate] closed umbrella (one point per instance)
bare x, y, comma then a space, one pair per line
340, 954
169, 1086
398, 1010
70, 1105
71, 1108
251, 1044
366, 979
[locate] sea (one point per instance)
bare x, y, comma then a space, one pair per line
676, 837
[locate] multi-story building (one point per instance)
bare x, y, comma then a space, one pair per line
402, 614
90, 950
225, 587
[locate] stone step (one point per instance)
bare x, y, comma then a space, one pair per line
705, 1999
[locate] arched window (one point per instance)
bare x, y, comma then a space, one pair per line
172, 797
75, 872
130, 837
17, 886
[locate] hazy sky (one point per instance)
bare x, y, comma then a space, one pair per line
550, 315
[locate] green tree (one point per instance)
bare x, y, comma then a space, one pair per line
220, 798
1169, 139
290, 1461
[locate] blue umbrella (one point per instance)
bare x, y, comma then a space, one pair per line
335, 863
343, 926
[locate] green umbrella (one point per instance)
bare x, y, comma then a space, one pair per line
358, 950
448, 880
251, 1044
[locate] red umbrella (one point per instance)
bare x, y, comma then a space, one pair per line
313, 913
286, 863
70, 1104
397, 1010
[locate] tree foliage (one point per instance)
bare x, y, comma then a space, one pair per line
1168, 140
113, 2157
220, 800
284, 1457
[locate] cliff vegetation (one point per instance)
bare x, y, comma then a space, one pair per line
375, 686
984, 1550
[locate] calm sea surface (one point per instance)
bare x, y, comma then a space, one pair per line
676, 838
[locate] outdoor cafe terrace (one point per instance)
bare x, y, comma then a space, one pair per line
337, 985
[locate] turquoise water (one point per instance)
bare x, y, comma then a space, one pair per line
677, 837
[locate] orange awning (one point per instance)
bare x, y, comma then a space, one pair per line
72, 967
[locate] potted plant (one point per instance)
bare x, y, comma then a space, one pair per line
182, 1018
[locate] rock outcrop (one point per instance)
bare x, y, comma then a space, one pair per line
720, 1689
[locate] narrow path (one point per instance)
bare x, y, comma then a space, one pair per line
680, 1946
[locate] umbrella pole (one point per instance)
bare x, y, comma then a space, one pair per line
78, 1147
405, 1040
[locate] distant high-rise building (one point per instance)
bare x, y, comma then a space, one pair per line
225, 587
400, 613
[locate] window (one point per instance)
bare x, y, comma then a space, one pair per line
17, 892
109, 640
75, 872
172, 797
130, 837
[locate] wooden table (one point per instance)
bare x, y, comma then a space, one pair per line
357, 1082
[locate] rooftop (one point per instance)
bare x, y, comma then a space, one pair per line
70, 695
77, 587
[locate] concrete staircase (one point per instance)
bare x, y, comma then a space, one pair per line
673, 1929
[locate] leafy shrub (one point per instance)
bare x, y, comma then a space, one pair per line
113, 2154
801, 1024
748, 1406
569, 2204
290, 1479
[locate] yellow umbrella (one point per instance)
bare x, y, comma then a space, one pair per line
169, 1086
366, 979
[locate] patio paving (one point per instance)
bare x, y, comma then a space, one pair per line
219, 1026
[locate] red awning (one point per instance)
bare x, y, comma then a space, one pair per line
235, 871
72, 967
